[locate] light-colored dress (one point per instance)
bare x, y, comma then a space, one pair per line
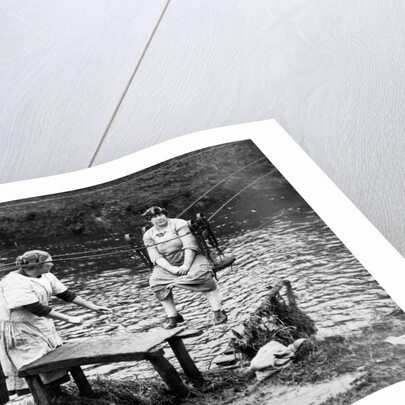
25, 337
170, 244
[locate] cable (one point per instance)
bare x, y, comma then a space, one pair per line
216, 185
235, 195
64, 258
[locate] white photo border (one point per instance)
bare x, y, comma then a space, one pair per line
366, 243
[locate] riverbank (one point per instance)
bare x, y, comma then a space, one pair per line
337, 370
115, 208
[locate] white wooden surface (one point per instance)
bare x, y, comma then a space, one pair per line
64, 66
82, 83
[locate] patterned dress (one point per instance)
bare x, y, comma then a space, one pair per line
25, 337
170, 243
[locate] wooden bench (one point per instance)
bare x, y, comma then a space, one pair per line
111, 349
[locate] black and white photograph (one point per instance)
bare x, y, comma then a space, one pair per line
204, 279
202, 202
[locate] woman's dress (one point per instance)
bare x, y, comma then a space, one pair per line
170, 244
25, 337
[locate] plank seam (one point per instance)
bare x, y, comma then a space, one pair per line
128, 85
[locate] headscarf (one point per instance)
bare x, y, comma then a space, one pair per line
155, 210
32, 258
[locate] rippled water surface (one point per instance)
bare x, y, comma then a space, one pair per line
330, 285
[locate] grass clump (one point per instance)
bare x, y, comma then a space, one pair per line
153, 391
276, 318
121, 392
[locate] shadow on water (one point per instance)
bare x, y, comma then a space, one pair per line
287, 243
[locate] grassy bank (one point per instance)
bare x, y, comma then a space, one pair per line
376, 363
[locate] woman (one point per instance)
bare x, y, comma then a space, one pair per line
27, 331
178, 263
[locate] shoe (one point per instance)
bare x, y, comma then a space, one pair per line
172, 321
179, 318
220, 316
21, 392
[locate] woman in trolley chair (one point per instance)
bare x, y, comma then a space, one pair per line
178, 262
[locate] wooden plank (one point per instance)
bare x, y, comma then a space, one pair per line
188, 333
329, 72
66, 362
185, 360
38, 391
81, 381
64, 67
168, 373
105, 349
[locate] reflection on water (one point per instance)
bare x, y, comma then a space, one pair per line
330, 285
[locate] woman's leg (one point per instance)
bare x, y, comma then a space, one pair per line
173, 317
214, 299
169, 306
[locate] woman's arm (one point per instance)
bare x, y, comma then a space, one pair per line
81, 302
70, 296
189, 255
76, 320
46, 311
164, 264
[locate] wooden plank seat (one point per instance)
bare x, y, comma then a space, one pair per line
111, 349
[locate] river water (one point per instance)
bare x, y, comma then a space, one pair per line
331, 286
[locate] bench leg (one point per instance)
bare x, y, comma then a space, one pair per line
38, 391
4, 398
81, 382
168, 374
186, 362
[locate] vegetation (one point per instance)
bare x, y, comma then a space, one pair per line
377, 364
373, 363
278, 318
151, 391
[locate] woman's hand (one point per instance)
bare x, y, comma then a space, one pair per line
182, 270
89, 305
99, 308
172, 269
76, 320
178, 270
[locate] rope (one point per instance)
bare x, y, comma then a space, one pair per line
63, 258
235, 195
90, 251
216, 185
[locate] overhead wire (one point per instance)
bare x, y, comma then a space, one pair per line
216, 185
241, 191
76, 256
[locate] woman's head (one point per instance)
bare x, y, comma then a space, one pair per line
35, 260
156, 215
152, 211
